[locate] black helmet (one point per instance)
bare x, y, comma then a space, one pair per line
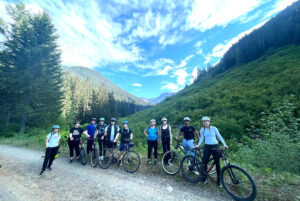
113, 119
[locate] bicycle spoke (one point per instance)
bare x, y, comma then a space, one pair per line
191, 169
171, 162
131, 161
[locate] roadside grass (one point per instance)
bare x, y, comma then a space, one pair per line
275, 186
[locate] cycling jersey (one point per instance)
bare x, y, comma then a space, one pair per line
125, 134
53, 139
101, 129
91, 129
76, 132
188, 132
210, 136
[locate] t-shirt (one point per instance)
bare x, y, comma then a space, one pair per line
125, 134
152, 134
76, 132
210, 136
53, 139
188, 132
91, 129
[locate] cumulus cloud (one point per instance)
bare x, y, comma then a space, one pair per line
136, 84
171, 87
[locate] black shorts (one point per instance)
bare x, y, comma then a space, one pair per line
110, 144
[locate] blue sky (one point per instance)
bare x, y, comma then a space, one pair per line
150, 47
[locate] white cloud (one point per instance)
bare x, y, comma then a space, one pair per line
171, 86
136, 84
183, 62
208, 14
164, 71
181, 75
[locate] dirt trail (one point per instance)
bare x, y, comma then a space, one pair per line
19, 180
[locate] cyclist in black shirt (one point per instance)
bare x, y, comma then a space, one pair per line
99, 134
166, 137
74, 140
188, 137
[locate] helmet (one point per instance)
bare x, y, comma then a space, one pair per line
56, 127
186, 119
113, 119
102, 119
125, 122
164, 119
152, 120
205, 119
94, 119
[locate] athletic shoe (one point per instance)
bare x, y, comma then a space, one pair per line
71, 161
49, 168
41, 172
149, 161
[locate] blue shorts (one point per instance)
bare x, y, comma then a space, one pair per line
124, 146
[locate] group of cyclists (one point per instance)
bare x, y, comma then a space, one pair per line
108, 135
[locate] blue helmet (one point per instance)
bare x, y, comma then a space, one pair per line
56, 127
125, 122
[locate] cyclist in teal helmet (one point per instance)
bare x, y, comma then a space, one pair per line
52, 145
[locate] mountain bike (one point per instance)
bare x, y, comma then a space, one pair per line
83, 154
236, 181
94, 155
129, 159
171, 160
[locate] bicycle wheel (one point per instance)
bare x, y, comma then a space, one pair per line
106, 160
94, 157
192, 169
131, 161
171, 162
83, 156
238, 183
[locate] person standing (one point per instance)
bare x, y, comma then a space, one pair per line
74, 140
90, 132
209, 135
152, 133
166, 137
188, 136
111, 132
100, 133
52, 145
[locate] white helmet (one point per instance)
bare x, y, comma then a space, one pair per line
164, 119
205, 119
186, 119
152, 120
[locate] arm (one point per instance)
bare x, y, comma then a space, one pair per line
201, 139
180, 133
131, 136
197, 134
170, 130
47, 140
116, 138
86, 134
96, 133
146, 132
71, 136
221, 138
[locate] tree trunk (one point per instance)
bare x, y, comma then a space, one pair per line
8, 117
23, 123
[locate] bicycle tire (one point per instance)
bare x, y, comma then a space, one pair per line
94, 157
83, 156
235, 169
173, 164
190, 166
107, 160
131, 158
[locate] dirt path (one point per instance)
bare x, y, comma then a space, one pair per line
19, 180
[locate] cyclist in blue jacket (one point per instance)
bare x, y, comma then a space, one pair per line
90, 133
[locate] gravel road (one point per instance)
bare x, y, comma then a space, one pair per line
20, 180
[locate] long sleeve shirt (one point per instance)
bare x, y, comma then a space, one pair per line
210, 136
